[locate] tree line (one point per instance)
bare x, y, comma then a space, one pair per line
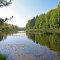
51, 19
4, 26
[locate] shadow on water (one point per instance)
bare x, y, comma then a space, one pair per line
52, 41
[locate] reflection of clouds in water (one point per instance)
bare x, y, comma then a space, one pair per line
26, 52
19, 34
26, 49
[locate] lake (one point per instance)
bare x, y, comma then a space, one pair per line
30, 46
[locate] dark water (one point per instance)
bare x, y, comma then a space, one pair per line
30, 46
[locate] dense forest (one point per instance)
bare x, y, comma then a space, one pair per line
46, 21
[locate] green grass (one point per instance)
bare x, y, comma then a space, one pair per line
48, 30
2, 57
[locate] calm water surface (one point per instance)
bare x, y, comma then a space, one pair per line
30, 46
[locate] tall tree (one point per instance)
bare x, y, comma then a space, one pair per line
49, 20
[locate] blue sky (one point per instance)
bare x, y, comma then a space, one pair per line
23, 10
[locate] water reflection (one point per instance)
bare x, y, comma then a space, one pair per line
30, 46
52, 41
3, 35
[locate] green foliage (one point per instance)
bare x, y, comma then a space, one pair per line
31, 23
44, 21
2, 57
40, 21
1, 21
9, 27
28, 25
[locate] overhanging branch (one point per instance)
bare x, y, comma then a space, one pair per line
5, 2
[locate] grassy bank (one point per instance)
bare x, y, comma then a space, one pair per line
49, 30
2, 57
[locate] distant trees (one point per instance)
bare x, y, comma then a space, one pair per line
49, 20
7, 27
31, 23
21, 28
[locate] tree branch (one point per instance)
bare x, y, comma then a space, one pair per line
5, 3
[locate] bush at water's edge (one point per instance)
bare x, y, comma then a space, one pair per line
2, 57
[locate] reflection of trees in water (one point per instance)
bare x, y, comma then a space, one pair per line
58, 43
31, 36
52, 41
3, 35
